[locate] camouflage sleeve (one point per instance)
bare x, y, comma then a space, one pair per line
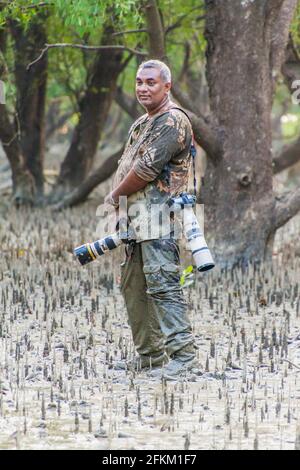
170, 135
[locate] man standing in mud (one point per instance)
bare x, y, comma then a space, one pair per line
153, 168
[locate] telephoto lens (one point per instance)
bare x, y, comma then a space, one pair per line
192, 231
91, 251
196, 242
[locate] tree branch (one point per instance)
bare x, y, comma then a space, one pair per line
60, 121
289, 155
182, 17
185, 64
183, 98
155, 30
287, 206
87, 48
102, 173
127, 103
204, 134
28, 7
291, 67
3, 67
130, 31
280, 34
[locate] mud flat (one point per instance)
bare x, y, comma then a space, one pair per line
62, 325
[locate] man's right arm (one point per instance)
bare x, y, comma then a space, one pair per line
129, 185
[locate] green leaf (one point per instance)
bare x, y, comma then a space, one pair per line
187, 277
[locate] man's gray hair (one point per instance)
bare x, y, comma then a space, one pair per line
165, 72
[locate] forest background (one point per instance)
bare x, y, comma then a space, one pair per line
69, 72
68, 67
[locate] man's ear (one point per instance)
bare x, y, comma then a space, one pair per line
168, 86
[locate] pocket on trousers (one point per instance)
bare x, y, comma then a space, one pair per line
171, 273
150, 268
161, 278
171, 268
154, 268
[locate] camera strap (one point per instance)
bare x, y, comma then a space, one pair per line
193, 150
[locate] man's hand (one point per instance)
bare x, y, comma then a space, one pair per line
111, 201
130, 185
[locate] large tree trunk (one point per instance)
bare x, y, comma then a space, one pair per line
246, 44
94, 108
23, 184
31, 95
237, 190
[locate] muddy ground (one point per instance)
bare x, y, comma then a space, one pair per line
61, 324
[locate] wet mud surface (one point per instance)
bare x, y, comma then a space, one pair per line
61, 326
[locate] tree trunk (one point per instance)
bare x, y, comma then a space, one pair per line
101, 174
31, 95
289, 156
94, 108
155, 31
23, 183
237, 190
55, 119
246, 41
291, 65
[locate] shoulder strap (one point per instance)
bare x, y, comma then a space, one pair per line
193, 150
136, 123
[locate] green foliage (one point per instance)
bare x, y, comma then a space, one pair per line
295, 27
290, 124
82, 21
84, 16
22, 11
188, 17
187, 278
7, 60
68, 68
289, 114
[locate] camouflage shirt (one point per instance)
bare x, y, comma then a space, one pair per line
158, 149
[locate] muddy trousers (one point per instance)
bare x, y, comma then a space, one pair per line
157, 311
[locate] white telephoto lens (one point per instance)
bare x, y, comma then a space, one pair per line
197, 243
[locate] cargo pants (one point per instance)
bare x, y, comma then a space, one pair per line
156, 308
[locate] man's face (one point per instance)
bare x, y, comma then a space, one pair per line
150, 88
